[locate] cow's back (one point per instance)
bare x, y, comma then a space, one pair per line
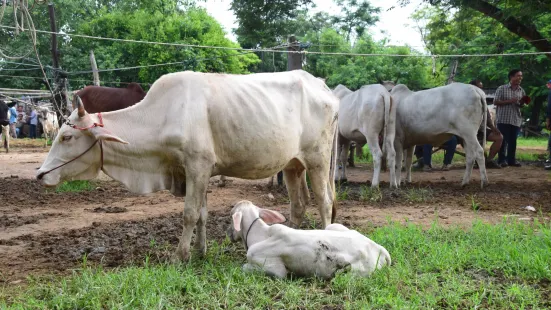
106, 99
246, 121
420, 114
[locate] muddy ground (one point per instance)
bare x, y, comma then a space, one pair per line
44, 232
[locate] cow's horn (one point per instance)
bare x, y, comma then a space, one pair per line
80, 107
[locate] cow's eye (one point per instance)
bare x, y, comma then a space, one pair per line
66, 138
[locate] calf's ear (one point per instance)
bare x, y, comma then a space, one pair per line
237, 220
102, 134
272, 217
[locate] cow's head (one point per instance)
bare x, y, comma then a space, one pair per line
75, 153
242, 216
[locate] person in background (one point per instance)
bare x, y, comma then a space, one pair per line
548, 125
33, 121
508, 100
492, 134
424, 155
13, 120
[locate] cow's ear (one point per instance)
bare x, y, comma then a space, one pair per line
102, 134
236, 217
272, 217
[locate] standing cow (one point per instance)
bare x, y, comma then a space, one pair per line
364, 114
433, 116
245, 126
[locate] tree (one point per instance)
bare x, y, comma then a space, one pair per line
469, 32
355, 18
521, 17
171, 21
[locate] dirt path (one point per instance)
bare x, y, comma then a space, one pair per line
43, 232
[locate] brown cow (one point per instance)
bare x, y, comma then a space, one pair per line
105, 99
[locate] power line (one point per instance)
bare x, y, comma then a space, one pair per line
288, 51
158, 65
75, 80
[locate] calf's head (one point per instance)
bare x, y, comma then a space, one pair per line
75, 153
244, 213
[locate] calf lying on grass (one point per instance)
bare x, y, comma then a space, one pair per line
278, 250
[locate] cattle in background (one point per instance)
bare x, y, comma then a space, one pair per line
50, 125
245, 126
363, 115
432, 116
106, 99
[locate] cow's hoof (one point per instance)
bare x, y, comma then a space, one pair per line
221, 184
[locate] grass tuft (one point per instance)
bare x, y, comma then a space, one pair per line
74, 187
368, 193
417, 195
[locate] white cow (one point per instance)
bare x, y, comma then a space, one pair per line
364, 114
433, 116
244, 126
278, 250
50, 125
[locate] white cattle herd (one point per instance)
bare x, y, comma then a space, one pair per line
251, 127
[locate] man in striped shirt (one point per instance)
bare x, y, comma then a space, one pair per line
508, 100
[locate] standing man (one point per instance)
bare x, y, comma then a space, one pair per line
33, 121
548, 125
508, 99
13, 120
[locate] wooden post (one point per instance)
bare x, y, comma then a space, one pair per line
294, 60
94, 68
59, 99
453, 71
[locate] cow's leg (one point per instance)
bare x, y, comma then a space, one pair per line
222, 181
197, 180
304, 193
473, 151
293, 178
271, 182
409, 160
201, 230
342, 160
399, 157
391, 161
351, 155
373, 143
322, 192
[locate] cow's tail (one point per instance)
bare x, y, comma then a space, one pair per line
388, 105
333, 168
484, 118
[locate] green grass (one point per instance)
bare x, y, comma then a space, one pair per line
74, 186
438, 157
532, 142
342, 191
505, 266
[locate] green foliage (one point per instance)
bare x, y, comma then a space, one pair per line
171, 21
466, 31
505, 266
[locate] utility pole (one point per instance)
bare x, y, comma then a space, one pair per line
60, 77
94, 68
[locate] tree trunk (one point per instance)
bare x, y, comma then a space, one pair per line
526, 31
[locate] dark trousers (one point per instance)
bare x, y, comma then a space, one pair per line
510, 134
449, 150
32, 133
